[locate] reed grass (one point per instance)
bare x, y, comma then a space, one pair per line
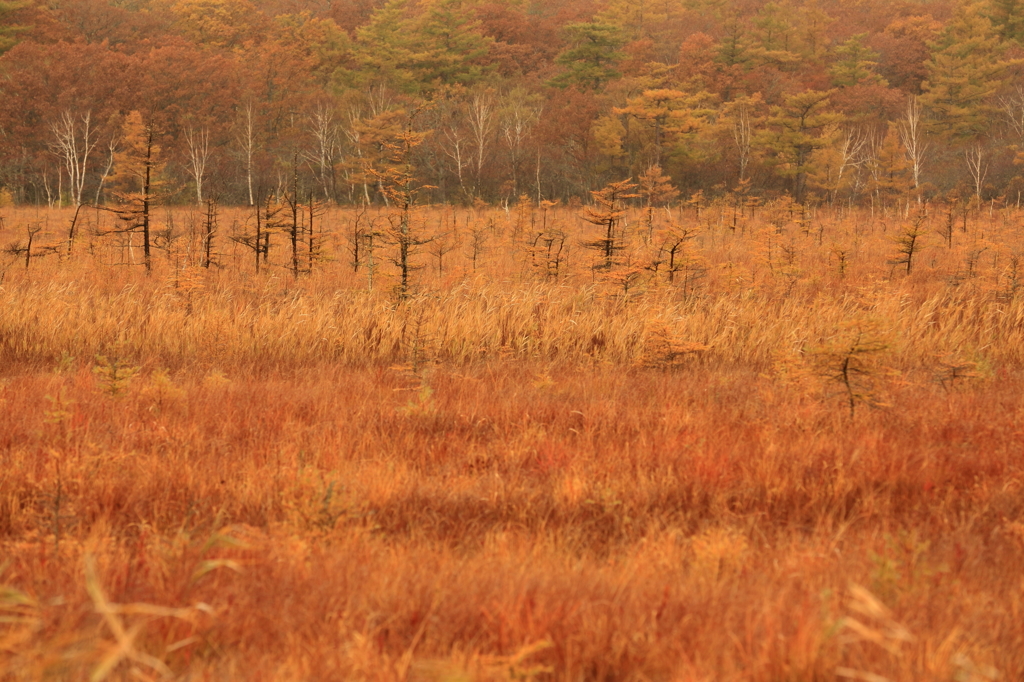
219, 474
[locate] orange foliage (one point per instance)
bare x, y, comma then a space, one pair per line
219, 474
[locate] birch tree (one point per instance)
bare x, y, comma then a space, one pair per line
112, 149
977, 166
73, 144
910, 135
482, 119
517, 121
323, 156
246, 138
743, 131
198, 143
455, 149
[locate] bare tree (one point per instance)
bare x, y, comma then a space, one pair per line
209, 231
1012, 107
851, 155
111, 152
517, 121
354, 134
869, 158
455, 149
742, 135
198, 142
380, 100
977, 165
911, 137
323, 156
52, 198
73, 144
481, 115
246, 137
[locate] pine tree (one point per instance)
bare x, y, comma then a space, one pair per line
669, 120
442, 45
800, 126
965, 71
452, 45
855, 64
396, 180
655, 189
383, 52
1008, 17
592, 58
8, 33
775, 34
656, 21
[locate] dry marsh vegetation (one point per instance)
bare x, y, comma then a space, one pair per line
733, 443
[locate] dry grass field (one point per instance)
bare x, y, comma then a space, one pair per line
754, 443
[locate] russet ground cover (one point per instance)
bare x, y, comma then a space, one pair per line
787, 459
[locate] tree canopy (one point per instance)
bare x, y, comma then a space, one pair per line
548, 99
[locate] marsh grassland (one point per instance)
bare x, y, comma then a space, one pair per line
714, 443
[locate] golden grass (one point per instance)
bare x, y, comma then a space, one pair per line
229, 475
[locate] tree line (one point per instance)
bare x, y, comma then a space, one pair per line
865, 101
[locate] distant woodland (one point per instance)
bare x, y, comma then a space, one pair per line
852, 102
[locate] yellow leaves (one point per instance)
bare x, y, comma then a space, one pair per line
662, 350
162, 392
673, 110
216, 379
223, 23
657, 188
609, 134
137, 165
114, 374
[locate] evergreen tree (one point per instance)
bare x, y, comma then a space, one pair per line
607, 214
734, 46
440, 46
659, 22
1008, 17
965, 71
8, 33
384, 52
855, 64
592, 58
797, 128
666, 122
775, 34
812, 25
451, 44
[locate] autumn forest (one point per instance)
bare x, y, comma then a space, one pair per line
860, 101
494, 341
